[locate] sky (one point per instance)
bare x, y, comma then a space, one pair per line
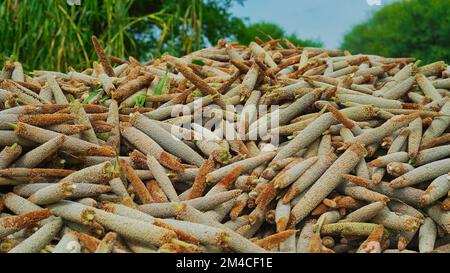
326, 20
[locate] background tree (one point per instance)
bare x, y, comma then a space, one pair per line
192, 24
246, 33
416, 28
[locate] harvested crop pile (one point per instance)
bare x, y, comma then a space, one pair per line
131, 157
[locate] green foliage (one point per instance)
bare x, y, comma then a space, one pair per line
180, 34
192, 25
416, 28
196, 93
103, 136
92, 95
198, 62
247, 33
51, 35
219, 22
162, 84
104, 98
140, 100
263, 30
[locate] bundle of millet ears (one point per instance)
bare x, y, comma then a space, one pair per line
96, 161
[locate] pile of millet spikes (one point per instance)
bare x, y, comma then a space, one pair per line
89, 162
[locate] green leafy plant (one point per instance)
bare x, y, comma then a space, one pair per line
162, 85
198, 62
196, 93
104, 98
103, 136
140, 100
92, 95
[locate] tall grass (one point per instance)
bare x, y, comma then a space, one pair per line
50, 34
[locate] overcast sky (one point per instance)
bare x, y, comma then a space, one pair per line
326, 20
